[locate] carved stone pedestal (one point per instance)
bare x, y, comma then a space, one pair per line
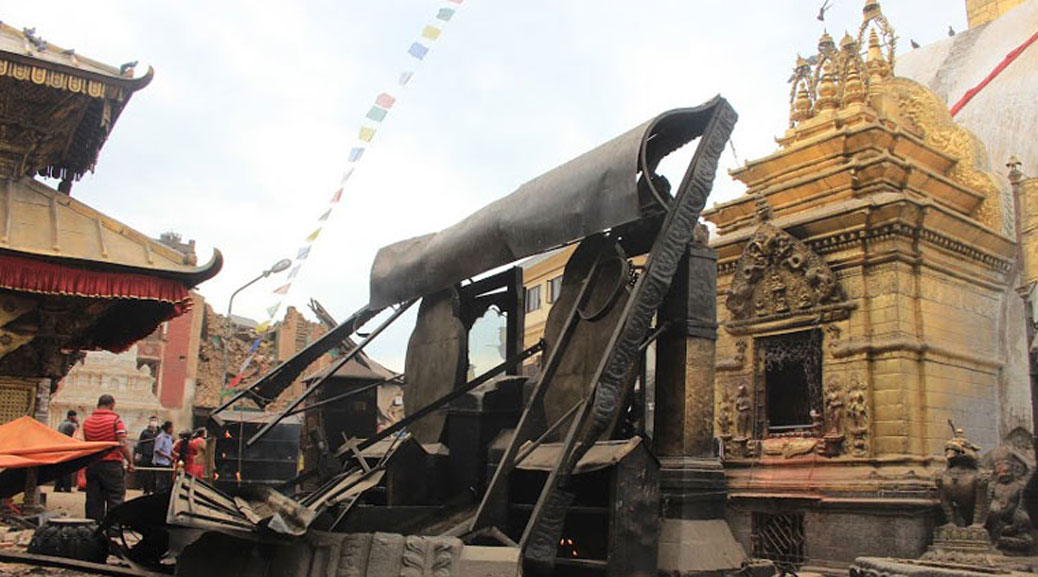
968, 545
695, 538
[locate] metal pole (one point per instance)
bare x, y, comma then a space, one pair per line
228, 331
1016, 179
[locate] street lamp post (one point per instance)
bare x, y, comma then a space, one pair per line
279, 266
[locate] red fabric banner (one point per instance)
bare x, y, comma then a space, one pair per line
36, 276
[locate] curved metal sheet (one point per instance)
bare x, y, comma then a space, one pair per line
593, 192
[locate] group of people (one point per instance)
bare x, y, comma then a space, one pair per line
156, 454
156, 449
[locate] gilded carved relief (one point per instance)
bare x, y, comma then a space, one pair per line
841, 431
778, 275
930, 115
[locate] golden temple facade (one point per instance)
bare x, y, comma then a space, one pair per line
864, 283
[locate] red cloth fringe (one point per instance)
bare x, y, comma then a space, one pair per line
22, 274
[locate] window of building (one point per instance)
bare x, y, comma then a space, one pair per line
533, 298
554, 289
779, 538
790, 368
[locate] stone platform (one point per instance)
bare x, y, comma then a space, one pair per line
889, 567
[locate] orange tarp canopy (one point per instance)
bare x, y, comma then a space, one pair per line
26, 442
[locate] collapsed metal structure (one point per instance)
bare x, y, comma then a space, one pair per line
569, 431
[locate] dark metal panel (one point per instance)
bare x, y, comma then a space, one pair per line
596, 191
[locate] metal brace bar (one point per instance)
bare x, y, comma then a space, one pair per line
345, 359
507, 464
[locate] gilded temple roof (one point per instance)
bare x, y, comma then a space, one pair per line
26, 47
38, 221
858, 129
59, 107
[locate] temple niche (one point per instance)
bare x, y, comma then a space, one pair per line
861, 285
116, 374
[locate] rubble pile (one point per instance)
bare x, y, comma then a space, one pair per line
210, 357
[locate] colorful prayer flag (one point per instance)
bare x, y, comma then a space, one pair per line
292, 273
345, 177
271, 312
377, 114
455, 1
336, 197
313, 235
248, 361
325, 216
405, 77
430, 33
356, 153
256, 343
262, 327
445, 14
233, 384
366, 133
283, 289
418, 50
385, 100
303, 253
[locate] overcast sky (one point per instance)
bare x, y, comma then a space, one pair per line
243, 135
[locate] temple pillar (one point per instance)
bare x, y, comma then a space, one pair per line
684, 416
692, 479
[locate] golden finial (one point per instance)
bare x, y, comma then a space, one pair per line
873, 20
800, 93
827, 95
826, 44
875, 62
847, 42
801, 109
853, 85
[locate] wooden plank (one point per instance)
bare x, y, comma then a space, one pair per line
73, 564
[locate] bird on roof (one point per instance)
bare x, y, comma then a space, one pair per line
951, 31
914, 43
30, 34
821, 11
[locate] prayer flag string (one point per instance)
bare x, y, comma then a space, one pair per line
376, 114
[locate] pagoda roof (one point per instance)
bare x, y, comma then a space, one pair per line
24, 47
38, 221
61, 106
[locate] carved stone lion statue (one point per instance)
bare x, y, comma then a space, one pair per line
964, 488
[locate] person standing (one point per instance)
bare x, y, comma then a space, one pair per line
198, 454
163, 457
105, 480
143, 454
63, 484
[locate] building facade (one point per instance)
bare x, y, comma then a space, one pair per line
71, 279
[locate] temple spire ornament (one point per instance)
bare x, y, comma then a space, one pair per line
828, 96
881, 34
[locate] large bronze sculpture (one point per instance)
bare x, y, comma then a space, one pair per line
1008, 522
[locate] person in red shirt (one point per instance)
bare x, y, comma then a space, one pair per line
195, 465
105, 481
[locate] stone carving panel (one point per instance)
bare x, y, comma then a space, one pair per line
778, 275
